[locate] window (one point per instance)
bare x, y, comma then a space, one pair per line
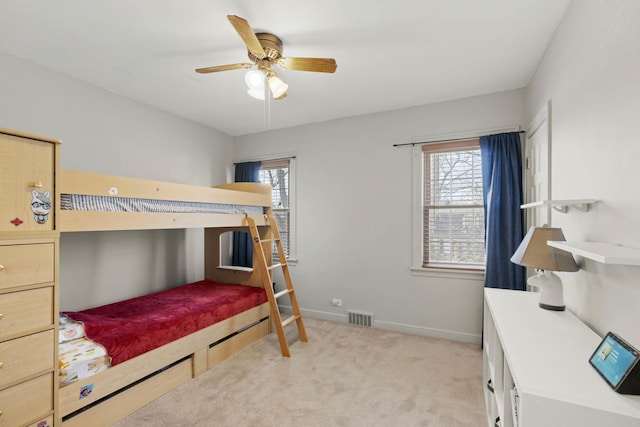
278, 174
452, 205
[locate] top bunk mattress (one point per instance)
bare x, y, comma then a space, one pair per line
97, 202
134, 326
81, 202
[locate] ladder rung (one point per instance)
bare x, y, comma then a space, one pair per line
269, 240
289, 319
282, 293
271, 267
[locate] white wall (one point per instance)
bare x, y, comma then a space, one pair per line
591, 73
354, 226
107, 133
354, 201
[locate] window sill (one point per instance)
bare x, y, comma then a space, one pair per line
448, 273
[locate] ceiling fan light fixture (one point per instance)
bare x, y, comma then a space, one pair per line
278, 87
254, 80
256, 93
264, 51
283, 96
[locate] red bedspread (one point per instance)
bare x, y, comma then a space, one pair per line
132, 327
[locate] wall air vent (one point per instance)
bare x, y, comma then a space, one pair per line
360, 318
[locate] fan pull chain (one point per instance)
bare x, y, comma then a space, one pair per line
267, 108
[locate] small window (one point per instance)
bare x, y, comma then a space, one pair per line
452, 206
277, 173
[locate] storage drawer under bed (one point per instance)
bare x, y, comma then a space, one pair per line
222, 350
116, 407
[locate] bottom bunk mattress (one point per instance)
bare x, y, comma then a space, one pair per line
78, 356
129, 328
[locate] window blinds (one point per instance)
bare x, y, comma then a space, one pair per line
453, 211
276, 174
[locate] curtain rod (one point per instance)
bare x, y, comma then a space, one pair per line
441, 140
279, 158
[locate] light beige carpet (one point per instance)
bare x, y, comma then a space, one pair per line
344, 376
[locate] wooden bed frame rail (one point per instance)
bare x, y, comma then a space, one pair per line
202, 350
86, 183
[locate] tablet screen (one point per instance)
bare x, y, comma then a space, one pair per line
613, 359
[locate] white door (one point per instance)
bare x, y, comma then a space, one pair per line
538, 167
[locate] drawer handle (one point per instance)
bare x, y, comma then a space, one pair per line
490, 386
1, 267
1, 365
1, 316
37, 184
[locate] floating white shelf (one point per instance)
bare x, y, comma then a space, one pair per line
562, 205
605, 253
236, 268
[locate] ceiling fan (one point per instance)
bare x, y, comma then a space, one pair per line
265, 49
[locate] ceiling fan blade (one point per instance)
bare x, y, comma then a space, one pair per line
228, 67
243, 28
320, 65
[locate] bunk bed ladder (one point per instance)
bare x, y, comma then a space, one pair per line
261, 245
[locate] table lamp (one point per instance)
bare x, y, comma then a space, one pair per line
534, 252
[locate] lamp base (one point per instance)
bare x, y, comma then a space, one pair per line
551, 307
551, 293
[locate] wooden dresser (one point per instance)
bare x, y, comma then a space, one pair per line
29, 240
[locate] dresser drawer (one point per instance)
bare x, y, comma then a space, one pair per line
26, 264
23, 357
26, 401
44, 422
25, 311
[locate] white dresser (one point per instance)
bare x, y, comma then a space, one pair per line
542, 357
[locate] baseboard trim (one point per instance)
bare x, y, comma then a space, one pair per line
393, 326
429, 332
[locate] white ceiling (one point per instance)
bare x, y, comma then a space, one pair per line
390, 53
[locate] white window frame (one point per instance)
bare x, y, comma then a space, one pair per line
417, 209
292, 259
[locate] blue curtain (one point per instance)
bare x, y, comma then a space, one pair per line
504, 219
242, 245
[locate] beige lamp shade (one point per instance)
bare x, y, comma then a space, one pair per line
534, 251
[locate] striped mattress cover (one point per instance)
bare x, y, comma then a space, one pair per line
81, 202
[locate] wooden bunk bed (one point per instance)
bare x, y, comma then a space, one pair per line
31, 219
111, 394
